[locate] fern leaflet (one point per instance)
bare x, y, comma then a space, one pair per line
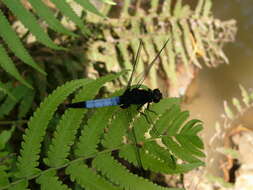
6, 90
45, 13
11, 38
119, 175
88, 179
7, 64
29, 21
3, 176
89, 6
9, 102
26, 103
28, 160
49, 181
92, 132
65, 8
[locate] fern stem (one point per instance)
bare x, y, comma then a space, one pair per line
62, 166
71, 162
13, 122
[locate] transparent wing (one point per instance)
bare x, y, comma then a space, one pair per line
136, 60
133, 134
155, 133
144, 74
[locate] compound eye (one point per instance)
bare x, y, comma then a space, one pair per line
157, 95
156, 100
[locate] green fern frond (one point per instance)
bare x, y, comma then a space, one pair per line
160, 160
158, 152
29, 21
156, 162
161, 143
70, 122
7, 64
48, 181
156, 156
20, 95
165, 120
121, 176
189, 125
28, 159
88, 179
5, 90
190, 130
116, 131
5, 136
174, 124
186, 142
26, 103
66, 10
22, 185
180, 151
177, 122
107, 172
44, 13
3, 176
13, 42
9, 103
89, 7
91, 134
163, 108
177, 142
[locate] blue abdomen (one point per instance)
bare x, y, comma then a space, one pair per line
102, 102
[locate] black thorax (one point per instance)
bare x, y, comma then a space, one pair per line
139, 97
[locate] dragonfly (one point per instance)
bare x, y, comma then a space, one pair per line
133, 95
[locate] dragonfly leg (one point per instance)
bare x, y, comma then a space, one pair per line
142, 172
139, 107
154, 128
138, 154
146, 117
148, 108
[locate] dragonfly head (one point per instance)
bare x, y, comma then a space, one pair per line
157, 95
